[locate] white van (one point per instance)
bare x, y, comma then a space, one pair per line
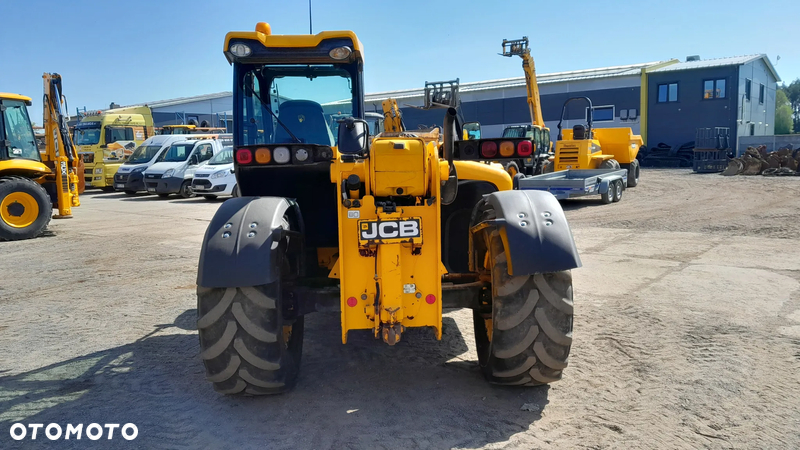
174, 168
130, 175
216, 178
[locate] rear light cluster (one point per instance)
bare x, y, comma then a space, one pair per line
494, 149
283, 154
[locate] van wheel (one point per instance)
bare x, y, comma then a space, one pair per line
210, 197
186, 189
130, 192
236, 192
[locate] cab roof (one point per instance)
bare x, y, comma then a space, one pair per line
263, 34
8, 96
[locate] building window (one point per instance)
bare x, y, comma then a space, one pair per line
747, 88
601, 114
668, 93
761, 94
714, 89
752, 129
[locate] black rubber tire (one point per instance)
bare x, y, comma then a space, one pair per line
108, 189
242, 338
609, 164
618, 188
532, 325
608, 196
163, 195
35, 190
236, 192
633, 174
186, 189
130, 192
210, 197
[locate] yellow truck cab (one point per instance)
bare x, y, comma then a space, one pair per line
105, 138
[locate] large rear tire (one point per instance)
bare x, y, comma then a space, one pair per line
526, 338
248, 346
25, 209
633, 173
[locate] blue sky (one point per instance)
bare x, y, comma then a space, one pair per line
138, 51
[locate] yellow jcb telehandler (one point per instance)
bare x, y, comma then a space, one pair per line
388, 231
31, 183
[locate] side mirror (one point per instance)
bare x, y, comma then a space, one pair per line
353, 136
194, 160
472, 130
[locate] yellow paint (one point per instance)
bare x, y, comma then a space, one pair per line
31, 169
9, 96
608, 143
299, 41
644, 96
109, 157
65, 174
493, 173
22, 201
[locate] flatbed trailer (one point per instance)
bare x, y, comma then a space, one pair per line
574, 183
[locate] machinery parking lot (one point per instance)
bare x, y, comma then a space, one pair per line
686, 335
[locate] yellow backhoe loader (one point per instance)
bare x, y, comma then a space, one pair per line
388, 231
33, 183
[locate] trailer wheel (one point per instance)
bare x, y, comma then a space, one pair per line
617, 190
608, 196
633, 173
247, 345
526, 336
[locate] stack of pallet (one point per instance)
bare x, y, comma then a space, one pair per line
757, 161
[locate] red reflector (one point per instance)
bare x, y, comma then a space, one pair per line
430, 299
525, 148
351, 302
488, 150
244, 156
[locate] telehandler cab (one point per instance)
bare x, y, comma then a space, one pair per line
387, 231
31, 183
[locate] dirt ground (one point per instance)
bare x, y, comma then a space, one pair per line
687, 335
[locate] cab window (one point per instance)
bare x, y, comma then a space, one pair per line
204, 152
114, 134
20, 141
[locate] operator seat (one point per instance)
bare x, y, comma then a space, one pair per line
579, 132
306, 120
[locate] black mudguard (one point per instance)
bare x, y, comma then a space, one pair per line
539, 239
239, 242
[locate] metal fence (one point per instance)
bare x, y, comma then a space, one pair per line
773, 143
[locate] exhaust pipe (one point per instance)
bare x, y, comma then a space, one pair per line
449, 189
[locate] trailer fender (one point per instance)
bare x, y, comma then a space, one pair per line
535, 232
239, 242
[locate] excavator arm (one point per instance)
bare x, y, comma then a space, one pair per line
392, 117
60, 152
519, 47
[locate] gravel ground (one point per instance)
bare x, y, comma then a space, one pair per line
687, 335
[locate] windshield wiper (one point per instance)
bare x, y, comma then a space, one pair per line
269, 110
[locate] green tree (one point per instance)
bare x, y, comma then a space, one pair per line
793, 94
783, 113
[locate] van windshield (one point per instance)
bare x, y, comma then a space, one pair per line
223, 157
143, 154
177, 153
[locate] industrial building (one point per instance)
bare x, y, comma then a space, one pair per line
664, 101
